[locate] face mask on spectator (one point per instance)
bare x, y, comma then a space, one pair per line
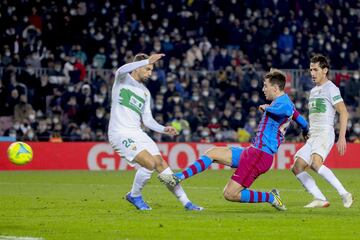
163, 90
172, 66
56, 120
158, 106
32, 117
255, 98
186, 132
181, 73
31, 135
254, 84
103, 90
112, 41
42, 127
176, 99
238, 117
328, 47
356, 76
195, 98
99, 114
218, 136
298, 105
252, 123
16, 126
205, 93
357, 130
7, 53
211, 106
71, 89
213, 120
204, 133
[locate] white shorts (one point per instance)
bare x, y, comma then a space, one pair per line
129, 145
320, 144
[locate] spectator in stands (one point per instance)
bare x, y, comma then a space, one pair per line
23, 109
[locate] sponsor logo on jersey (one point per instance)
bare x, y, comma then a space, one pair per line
317, 105
131, 100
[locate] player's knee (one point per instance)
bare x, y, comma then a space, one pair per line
230, 195
297, 167
315, 166
160, 164
212, 153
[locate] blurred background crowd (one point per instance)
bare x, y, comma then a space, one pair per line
58, 58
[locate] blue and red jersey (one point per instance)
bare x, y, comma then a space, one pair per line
274, 123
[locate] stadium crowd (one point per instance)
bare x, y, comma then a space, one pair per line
209, 84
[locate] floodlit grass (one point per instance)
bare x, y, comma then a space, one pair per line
90, 205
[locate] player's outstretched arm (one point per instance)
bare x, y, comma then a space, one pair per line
129, 67
155, 57
278, 109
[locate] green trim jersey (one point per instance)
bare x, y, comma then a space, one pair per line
321, 107
130, 102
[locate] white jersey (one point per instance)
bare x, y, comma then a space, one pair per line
321, 107
130, 102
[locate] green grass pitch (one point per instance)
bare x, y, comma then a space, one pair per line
90, 205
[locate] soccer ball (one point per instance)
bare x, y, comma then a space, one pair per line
20, 153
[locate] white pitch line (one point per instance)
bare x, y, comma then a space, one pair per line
19, 238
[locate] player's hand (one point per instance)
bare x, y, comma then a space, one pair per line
341, 146
170, 131
263, 107
305, 134
155, 57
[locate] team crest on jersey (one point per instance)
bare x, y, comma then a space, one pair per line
133, 147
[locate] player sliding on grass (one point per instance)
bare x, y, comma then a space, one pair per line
325, 100
257, 159
129, 107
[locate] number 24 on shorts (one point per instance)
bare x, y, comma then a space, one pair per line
127, 142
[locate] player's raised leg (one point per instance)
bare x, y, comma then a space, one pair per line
221, 155
163, 168
235, 192
252, 164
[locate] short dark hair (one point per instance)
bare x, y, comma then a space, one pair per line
140, 56
277, 77
322, 60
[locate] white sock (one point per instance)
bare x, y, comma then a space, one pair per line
309, 184
178, 191
142, 176
329, 176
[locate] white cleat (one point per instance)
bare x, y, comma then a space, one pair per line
347, 199
317, 203
169, 180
